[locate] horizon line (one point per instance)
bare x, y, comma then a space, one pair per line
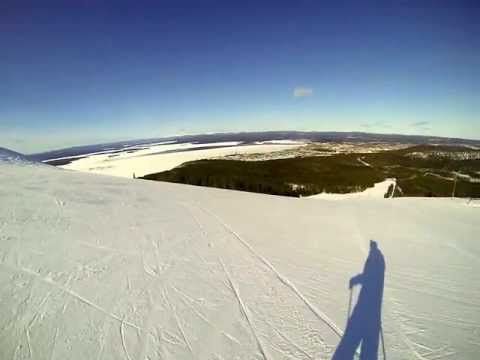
166, 137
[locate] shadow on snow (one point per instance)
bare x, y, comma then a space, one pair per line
364, 326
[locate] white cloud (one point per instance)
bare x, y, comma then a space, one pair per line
420, 124
300, 91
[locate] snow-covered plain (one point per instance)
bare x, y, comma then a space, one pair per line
98, 267
165, 156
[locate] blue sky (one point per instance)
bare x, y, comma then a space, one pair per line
102, 71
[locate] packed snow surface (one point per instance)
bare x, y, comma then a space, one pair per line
165, 156
97, 267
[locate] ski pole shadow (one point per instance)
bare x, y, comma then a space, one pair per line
364, 326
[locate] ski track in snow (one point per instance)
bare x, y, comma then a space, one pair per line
321, 316
179, 324
283, 280
124, 345
398, 327
287, 339
172, 279
75, 295
245, 312
398, 324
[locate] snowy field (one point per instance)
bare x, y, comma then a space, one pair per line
165, 156
98, 267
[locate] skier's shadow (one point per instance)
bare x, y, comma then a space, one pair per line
365, 324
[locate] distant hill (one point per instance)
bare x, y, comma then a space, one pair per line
7, 155
252, 137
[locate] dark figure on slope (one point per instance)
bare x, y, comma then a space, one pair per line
365, 324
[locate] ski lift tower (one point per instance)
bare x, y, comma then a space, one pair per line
454, 186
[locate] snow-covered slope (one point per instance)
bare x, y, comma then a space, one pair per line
96, 267
378, 190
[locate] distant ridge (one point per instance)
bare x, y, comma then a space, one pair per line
11, 156
251, 137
